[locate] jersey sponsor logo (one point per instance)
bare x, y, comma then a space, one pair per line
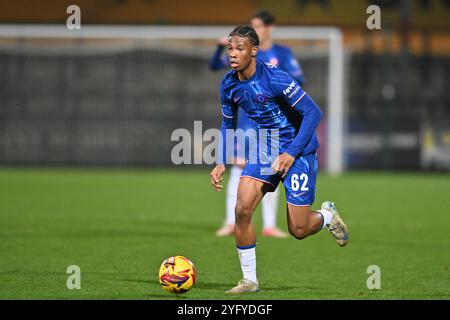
294, 92
289, 88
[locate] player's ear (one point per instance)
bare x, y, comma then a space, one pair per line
254, 51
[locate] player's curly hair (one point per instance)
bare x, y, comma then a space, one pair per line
246, 32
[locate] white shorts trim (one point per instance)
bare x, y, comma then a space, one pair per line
299, 205
267, 182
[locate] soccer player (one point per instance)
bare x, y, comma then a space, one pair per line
277, 55
275, 101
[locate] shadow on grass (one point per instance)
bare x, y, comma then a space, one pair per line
167, 296
221, 286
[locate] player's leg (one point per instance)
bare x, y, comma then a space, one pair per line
250, 193
300, 184
303, 222
269, 214
232, 188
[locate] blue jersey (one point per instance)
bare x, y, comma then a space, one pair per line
279, 56
272, 99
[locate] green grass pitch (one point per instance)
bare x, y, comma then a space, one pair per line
119, 225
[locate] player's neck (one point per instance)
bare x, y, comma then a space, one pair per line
266, 45
248, 72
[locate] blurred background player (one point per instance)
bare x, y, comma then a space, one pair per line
282, 57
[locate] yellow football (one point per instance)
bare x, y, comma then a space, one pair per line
177, 274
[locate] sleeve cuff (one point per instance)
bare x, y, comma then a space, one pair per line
293, 153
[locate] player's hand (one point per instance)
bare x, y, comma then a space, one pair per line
217, 176
223, 41
283, 163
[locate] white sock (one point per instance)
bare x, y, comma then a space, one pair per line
327, 216
269, 209
247, 257
232, 187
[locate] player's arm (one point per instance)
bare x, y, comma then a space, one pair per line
298, 99
312, 115
219, 60
229, 117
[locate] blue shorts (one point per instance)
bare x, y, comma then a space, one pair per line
300, 182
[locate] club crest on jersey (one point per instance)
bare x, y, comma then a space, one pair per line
289, 88
261, 98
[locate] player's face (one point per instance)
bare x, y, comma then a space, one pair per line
262, 30
240, 52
